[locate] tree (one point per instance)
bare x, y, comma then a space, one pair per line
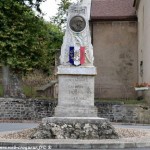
24, 37
61, 17
31, 3
54, 45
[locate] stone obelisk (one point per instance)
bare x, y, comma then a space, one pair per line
76, 72
75, 115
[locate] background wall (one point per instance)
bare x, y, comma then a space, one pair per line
116, 57
35, 110
25, 109
143, 14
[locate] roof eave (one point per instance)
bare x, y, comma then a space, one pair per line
114, 18
136, 4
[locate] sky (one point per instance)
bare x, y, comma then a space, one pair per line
50, 8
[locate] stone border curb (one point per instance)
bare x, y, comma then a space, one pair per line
76, 144
136, 142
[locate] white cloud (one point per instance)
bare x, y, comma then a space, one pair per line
49, 7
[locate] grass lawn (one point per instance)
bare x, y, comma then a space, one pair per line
1, 90
29, 91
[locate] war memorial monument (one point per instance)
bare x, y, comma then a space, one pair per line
75, 116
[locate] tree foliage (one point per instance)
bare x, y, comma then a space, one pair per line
61, 17
26, 41
54, 44
32, 3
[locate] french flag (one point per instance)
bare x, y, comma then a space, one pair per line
77, 57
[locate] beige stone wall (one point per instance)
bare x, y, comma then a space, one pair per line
115, 52
143, 14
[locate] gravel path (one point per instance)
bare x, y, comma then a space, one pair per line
124, 133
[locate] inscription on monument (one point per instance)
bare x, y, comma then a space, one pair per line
78, 10
77, 89
77, 79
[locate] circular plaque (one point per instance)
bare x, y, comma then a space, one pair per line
77, 23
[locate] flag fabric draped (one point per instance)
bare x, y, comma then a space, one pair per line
82, 55
71, 55
77, 56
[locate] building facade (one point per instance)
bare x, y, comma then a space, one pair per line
114, 37
143, 14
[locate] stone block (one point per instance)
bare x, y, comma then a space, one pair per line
75, 111
74, 120
76, 92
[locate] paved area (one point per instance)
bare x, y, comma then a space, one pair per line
112, 149
16, 126
20, 126
133, 126
79, 144
79, 149
39, 144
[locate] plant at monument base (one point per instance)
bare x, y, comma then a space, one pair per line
141, 86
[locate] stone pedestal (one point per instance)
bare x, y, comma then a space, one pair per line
76, 92
74, 120
75, 115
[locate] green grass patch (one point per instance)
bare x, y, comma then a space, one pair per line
1, 90
29, 91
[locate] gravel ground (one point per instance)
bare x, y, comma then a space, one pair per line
123, 133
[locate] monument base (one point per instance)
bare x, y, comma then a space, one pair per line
75, 111
76, 92
75, 128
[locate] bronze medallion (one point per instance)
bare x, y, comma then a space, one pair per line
77, 23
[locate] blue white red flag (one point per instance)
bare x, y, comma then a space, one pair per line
77, 56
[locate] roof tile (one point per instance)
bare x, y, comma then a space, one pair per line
112, 9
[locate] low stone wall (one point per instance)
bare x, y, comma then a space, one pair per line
29, 109
124, 113
25, 109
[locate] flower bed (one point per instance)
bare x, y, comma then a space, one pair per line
141, 86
